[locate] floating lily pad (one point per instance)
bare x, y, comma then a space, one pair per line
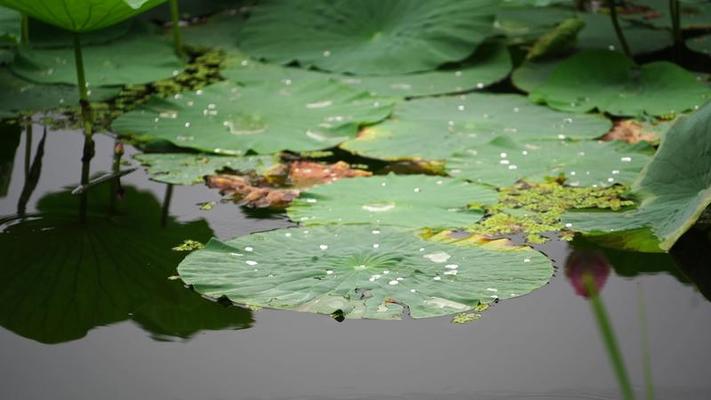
135, 59
414, 201
9, 26
220, 31
188, 168
376, 37
503, 161
675, 188
701, 44
80, 16
23, 96
62, 279
693, 14
44, 35
491, 63
526, 24
435, 128
600, 34
532, 74
609, 82
360, 272
230, 119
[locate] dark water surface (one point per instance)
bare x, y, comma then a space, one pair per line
175, 345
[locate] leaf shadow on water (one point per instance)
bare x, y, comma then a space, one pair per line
61, 279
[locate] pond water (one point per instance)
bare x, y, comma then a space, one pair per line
541, 346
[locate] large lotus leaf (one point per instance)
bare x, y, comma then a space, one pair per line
23, 96
695, 14
188, 168
81, 15
675, 189
701, 44
220, 31
491, 63
532, 74
600, 34
9, 26
414, 201
357, 271
503, 161
370, 37
435, 128
610, 82
44, 35
230, 119
62, 278
134, 59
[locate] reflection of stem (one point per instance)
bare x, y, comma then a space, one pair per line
25, 30
646, 359
28, 148
88, 152
608, 337
115, 187
618, 29
166, 205
32, 177
175, 24
676, 25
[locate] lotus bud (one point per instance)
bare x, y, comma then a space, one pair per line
583, 264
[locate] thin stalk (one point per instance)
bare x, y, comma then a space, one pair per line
32, 177
28, 147
646, 358
175, 25
165, 212
115, 187
618, 29
88, 152
608, 337
25, 30
674, 12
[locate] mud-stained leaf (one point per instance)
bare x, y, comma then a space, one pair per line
414, 201
634, 131
378, 37
245, 192
360, 272
189, 168
609, 82
436, 128
81, 16
701, 44
230, 119
491, 63
504, 160
62, 279
23, 96
134, 59
674, 189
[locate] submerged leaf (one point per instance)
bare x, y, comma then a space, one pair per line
189, 168
376, 37
358, 272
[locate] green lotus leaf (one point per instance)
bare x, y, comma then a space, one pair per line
9, 26
188, 168
357, 271
435, 128
491, 63
701, 44
599, 34
504, 160
693, 14
413, 201
609, 82
62, 279
230, 119
44, 35
675, 188
81, 15
23, 96
532, 74
525, 24
134, 59
220, 31
372, 37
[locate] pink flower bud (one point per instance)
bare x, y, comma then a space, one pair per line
581, 263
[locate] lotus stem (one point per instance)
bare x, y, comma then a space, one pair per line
175, 25
25, 30
675, 14
115, 187
608, 337
618, 29
646, 358
88, 152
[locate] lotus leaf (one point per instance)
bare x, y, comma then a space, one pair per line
9, 26
436, 128
410, 201
693, 14
491, 63
609, 82
230, 119
675, 188
188, 168
81, 15
44, 35
62, 279
378, 37
360, 272
503, 161
134, 59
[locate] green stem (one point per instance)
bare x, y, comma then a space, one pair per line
618, 29
25, 30
608, 337
88, 152
175, 24
646, 358
674, 12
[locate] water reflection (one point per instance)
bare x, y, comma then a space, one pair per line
9, 141
61, 278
